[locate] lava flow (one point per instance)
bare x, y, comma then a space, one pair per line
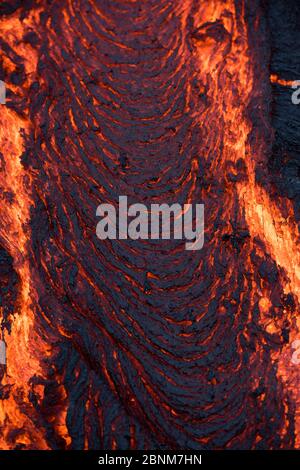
141, 344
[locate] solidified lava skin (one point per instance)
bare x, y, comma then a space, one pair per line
122, 344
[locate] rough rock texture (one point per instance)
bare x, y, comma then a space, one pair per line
142, 344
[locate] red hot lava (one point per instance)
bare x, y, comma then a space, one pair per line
141, 344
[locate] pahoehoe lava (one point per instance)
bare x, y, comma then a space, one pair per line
140, 344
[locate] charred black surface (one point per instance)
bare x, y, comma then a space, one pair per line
283, 19
8, 288
7, 8
154, 347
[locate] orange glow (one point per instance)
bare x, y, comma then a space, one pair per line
281, 81
217, 50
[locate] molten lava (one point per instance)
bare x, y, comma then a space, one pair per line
123, 344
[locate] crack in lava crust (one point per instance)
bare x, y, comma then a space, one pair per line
142, 344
